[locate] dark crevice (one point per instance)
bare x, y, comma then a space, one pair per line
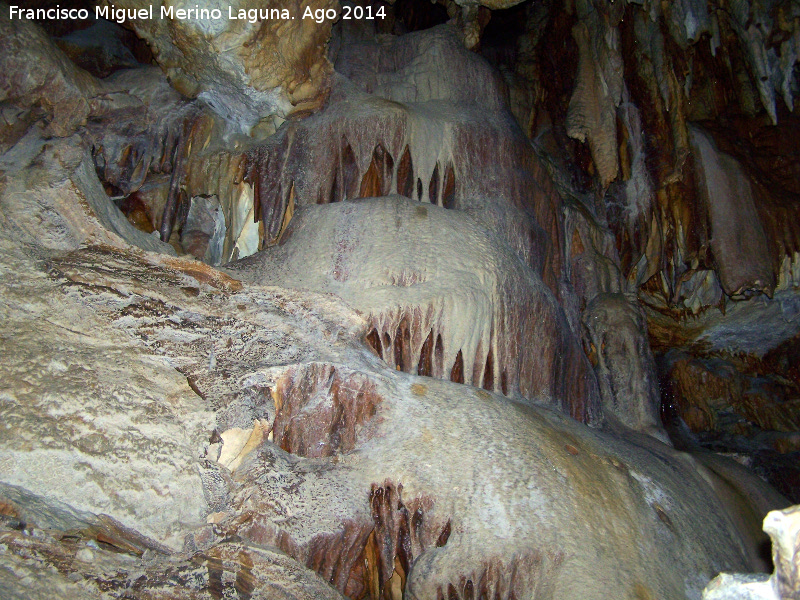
449, 190
333, 193
488, 372
444, 535
433, 187
401, 346
377, 181
405, 175
374, 341
387, 343
438, 355
349, 170
416, 15
457, 372
425, 366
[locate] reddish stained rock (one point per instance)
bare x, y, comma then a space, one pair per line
388, 130
322, 414
478, 316
350, 517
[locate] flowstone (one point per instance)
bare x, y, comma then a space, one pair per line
378, 479
469, 316
396, 123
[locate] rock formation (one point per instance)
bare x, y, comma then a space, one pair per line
783, 527
471, 300
471, 318
248, 64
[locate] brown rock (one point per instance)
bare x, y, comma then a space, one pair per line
36, 76
598, 89
245, 69
738, 239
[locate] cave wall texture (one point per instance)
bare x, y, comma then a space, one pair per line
470, 300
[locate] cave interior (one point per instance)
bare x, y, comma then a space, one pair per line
450, 300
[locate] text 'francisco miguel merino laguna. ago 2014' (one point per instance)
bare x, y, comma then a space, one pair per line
252, 15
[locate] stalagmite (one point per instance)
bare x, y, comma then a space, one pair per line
615, 331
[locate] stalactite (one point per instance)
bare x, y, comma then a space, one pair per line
437, 159
424, 304
173, 194
348, 178
377, 180
488, 372
410, 218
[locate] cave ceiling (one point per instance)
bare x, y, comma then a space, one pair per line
314, 299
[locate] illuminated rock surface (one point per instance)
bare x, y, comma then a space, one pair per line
348, 435
245, 69
469, 316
